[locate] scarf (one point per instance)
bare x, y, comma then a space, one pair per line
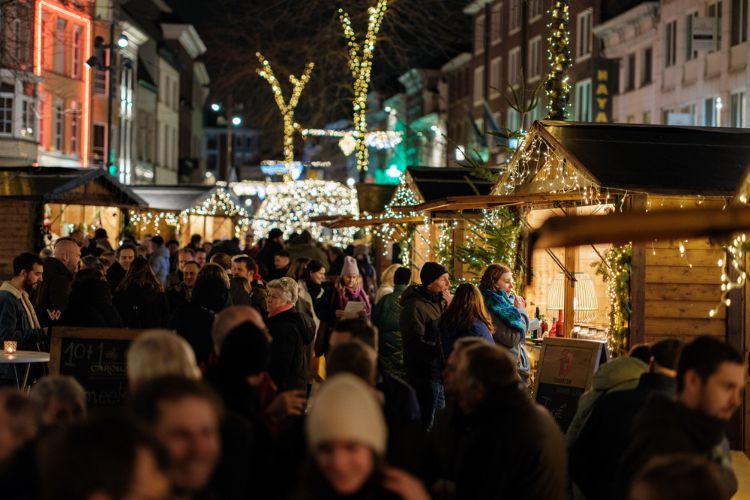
499, 304
357, 295
279, 310
24, 298
313, 289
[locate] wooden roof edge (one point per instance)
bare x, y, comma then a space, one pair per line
327, 218
343, 223
485, 201
94, 174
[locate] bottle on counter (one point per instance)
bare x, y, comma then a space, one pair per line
560, 325
553, 330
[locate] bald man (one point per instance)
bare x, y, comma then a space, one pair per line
51, 295
231, 317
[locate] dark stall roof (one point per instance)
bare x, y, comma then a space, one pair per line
373, 198
654, 158
80, 186
179, 197
432, 183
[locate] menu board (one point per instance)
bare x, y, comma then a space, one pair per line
566, 370
96, 358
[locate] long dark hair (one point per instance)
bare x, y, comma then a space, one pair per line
140, 274
466, 307
312, 267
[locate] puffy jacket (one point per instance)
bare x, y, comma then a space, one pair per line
52, 293
421, 309
449, 336
291, 332
142, 307
159, 261
90, 304
386, 316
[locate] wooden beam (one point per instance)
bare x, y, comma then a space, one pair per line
736, 427
341, 223
487, 201
638, 282
569, 292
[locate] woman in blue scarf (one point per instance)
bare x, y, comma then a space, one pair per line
508, 313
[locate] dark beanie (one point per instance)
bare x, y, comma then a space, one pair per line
245, 351
275, 233
157, 240
402, 276
666, 351
430, 272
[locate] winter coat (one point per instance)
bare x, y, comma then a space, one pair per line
142, 307
386, 316
448, 337
593, 461
90, 305
177, 296
115, 275
291, 332
239, 295
667, 427
421, 309
258, 296
305, 302
173, 279
227, 246
265, 255
310, 251
400, 398
383, 291
194, 320
337, 266
509, 447
52, 293
159, 261
15, 323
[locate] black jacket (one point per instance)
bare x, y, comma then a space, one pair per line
115, 275
142, 307
90, 304
54, 290
177, 296
667, 427
291, 332
596, 453
421, 310
194, 319
400, 398
265, 255
509, 447
239, 295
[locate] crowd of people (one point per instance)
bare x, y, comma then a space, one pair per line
297, 374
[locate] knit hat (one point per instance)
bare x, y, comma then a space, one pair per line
346, 409
275, 233
430, 272
245, 351
350, 266
402, 276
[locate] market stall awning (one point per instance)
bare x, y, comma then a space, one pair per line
488, 201
433, 183
74, 186
373, 198
351, 222
176, 198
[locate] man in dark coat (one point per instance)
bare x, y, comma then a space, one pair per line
181, 293
593, 460
710, 380
422, 307
18, 321
117, 271
274, 243
229, 247
183, 257
240, 296
90, 302
336, 260
51, 296
499, 444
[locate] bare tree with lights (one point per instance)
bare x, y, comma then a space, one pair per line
558, 88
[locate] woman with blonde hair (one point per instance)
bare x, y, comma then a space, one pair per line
140, 299
386, 282
160, 353
465, 316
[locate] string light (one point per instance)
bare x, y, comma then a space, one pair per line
361, 66
221, 204
557, 86
287, 109
379, 139
145, 219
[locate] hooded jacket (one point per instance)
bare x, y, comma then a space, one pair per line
159, 261
421, 309
90, 305
386, 315
52, 293
291, 332
194, 320
142, 307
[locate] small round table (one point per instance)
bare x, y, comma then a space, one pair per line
23, 357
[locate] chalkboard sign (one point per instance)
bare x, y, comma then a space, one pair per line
566, 370
95, 357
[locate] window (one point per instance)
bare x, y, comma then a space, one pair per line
689, 110
583, 34
6, 114
514, 21
77, 50
536, 112
45, 47
514, 64
166, 88
535, 10
18, 40
496, 28
714, 11
28, 119
689, 52
671, 44
75, 133
479, 34
101, 77
583, 101
738, 115
478, 84
513, 120
739, 21
59, 115
630, 73
42, 120
646, 66
60, 46
175, 145
535, 57
100, 144
176, 94
647, 117
711, 110
496, 75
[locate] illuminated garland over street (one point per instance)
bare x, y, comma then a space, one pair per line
220, 204
145, 219
361, 67
558, 88
287, 110
380, 139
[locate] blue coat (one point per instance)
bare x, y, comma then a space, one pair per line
449, 337
15, 324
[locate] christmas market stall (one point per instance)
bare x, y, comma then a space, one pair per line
177, 212
40, 204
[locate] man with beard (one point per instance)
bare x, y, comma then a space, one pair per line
181, 293
51, 297
710, 380
117, 271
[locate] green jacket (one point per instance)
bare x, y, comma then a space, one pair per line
385, 315
421, 310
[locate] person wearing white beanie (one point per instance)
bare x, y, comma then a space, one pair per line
346, 437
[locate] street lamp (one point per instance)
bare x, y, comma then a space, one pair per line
236, 121
215, 107
123, 41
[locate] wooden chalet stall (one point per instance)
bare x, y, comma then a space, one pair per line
177, 212
39, 202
